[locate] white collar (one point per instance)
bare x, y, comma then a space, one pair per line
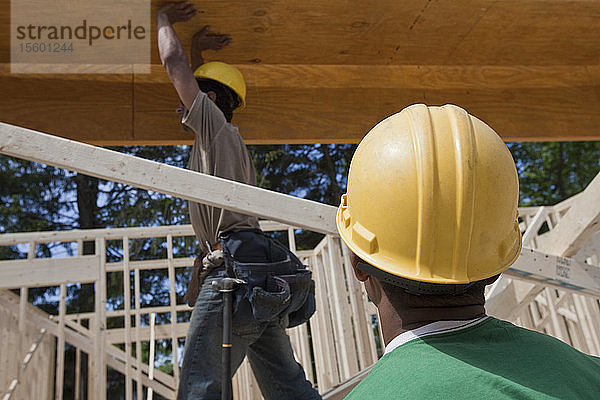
431, 329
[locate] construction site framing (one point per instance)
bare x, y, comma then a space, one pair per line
554, 287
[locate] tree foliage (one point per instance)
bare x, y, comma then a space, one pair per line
315, 172
550, 172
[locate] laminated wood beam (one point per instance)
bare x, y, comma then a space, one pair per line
326, 72
310, 103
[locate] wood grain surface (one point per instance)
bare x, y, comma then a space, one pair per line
327, 71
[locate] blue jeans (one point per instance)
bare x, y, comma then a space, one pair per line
258, 326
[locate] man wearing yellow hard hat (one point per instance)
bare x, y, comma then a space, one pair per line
278, 291
430, 217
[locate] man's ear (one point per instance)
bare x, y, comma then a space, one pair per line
360, 275
212, 95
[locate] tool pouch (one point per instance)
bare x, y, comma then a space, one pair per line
284, 294
280, 289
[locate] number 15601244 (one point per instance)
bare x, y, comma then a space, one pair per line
51, 47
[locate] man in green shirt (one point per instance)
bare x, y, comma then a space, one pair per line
430, 217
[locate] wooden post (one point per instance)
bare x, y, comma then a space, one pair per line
346, 348
173, 308
100, 300
127, 311
138, 343
151, 357
60, 352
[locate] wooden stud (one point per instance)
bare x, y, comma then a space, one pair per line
76, 395
151, 356
365, 346
327, 367
24, 291
347, 345
173, 308
100, 354
127, 316
138, 344
60, 352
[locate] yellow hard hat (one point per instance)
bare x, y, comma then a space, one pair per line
226, 74
432, 197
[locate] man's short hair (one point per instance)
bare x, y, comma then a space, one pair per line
413, 286
424, 294
398, 296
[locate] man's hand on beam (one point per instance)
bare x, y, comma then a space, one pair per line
178, 12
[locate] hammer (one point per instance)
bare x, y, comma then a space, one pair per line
226, 286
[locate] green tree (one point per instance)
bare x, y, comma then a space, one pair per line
315, 172
550, 172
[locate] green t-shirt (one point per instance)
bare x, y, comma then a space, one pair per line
488, 359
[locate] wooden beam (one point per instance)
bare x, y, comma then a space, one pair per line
151, 175
564, 273
311, 103
577, 226
88, 107
120, 335
48, 271
530, 69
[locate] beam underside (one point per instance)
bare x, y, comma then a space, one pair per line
529, 69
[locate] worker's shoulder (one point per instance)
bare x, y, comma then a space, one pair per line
204, 115
228, 135
492, 354
379, 381
513, 333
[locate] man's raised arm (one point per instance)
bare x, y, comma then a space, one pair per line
172, 54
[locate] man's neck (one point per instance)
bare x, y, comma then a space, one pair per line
394, 322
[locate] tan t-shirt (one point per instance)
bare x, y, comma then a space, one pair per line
219, 151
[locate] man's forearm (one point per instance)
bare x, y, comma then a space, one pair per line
169, 47
197, 58
173, 57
